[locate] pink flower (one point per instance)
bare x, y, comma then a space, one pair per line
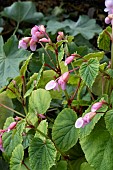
37, 32
60, 36
1, 145
97, 106
51, 85
69, 59
23, 43
32, 45
83, 121
44, 40
109, 6
61, 81
42, 28
11, 126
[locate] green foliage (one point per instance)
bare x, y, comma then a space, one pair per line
104, 39
56, 129
42, 154
10, 58
64, 130
39, 101
74, 28
22, 11
4, 112
101, 143
17, 157
89, 71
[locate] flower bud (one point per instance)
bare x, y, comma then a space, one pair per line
60, 36
97, 106
65, 76
69, 59
83, 121
11, 126
44, 40
107, 20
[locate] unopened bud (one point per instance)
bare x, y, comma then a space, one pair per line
11, 126
97, 106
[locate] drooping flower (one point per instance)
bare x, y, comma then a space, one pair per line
97, 106
32, 45
109, 9
24, 42
37, 32
1, 144
11, 126
109, 6
59, 82
51, 85
83, 121
69, 59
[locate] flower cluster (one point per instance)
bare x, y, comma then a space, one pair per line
59, 82
38, 34
82, 121
109, 9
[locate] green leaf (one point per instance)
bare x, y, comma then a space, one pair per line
35, 81
80, 103
97, 55
101, 85
83, 24
64, 133
25, 65
39, 101
109, 121
17, 158
86, 27
10, 58
43, 127
22, 11
10, 139
32, 118
61, 54
12, 91
104, 39
42, 154
61, 165
89, 71
5, 113
85, 166
98, 147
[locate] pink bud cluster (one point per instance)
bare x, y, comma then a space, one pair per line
109, 9
10, 127
59, 82
38, 34
83, 121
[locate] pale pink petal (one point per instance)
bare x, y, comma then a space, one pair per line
79, 122
50, 85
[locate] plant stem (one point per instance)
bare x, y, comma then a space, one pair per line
18, 113
48, 55
66, 94
25, 165
16, 28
